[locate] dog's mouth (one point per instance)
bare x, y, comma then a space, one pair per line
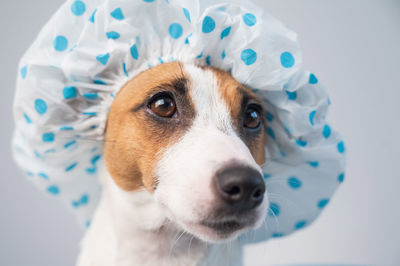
223, 228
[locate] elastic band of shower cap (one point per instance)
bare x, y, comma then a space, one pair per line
90, 48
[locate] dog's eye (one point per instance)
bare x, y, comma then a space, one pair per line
163, 105
252, 118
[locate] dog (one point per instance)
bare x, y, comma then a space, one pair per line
181, 175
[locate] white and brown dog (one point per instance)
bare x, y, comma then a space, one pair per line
183, 154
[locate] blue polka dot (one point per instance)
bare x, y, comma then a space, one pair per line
91, 19
225, 32
311, 117
266, 176
99, 82
248, 56
314, 164
175, 30
91, 170
43, 175
287, 59
24, 71
91, 95
340, 177
313, 79
277, 235
187, 38
200, 55
53, 190
40, 106
78, 8
249, 19
208, 24
300, 224
89, 113
340, 146
187, 14
27, 119
292, 95
301, 143
274, 209
269, 116
326, 132
103, 58
84, 199
60, 43
69, 92
70, 167
125, 69
66, 128
117, 14
134, 52
112, 35
69, 144
322, 203
95, 159
87, 224
148, 1
223, 55
270, 132
294, 182
48, 137
208, 60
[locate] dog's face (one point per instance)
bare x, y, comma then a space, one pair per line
194, 138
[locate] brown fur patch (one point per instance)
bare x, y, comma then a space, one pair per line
236, 97
136, 138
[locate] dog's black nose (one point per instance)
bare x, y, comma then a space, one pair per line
240, 187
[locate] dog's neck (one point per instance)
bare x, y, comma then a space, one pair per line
130, 228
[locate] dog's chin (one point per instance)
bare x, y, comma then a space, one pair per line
221, 230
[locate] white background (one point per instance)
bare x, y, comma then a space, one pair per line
353, 48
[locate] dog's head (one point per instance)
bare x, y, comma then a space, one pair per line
194, 138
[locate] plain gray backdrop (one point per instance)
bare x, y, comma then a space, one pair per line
351, 45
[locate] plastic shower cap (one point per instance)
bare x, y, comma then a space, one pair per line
91, 48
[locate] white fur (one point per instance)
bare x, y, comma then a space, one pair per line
138, 228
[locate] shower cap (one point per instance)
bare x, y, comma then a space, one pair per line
90, 48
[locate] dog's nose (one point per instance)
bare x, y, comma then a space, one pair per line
240, 187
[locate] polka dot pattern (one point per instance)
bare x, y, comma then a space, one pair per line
78, 8
322, 203
287, 60
53, 190
225, 32
274, 209
103, 58
312, 79
112, 35
175, 30
24, 71
60, 43
134, 52
48, 137
340, 146
300, 224
69, 92
187, 14
294, 182
248, 56
249, 19
40, 106
208, 24
117, 14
